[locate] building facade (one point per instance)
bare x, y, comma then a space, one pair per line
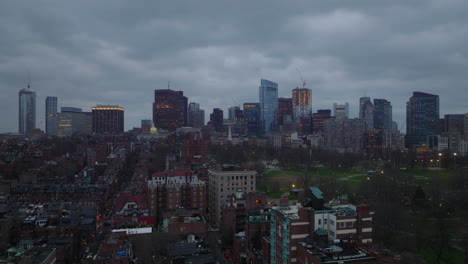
289, 226
422, 118
196, 116
319, 120
169, 109
174, 189
223, 184
51, 115
27, 111
341, 111
382, 114
285, 110
252, 119
217, 120
268, 95
107, 119
302, 103
366, 112
73, 120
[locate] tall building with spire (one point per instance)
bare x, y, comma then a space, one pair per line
27, 111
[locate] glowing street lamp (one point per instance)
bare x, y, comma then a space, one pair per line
440, 160
455, 160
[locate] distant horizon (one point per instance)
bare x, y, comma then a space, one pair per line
217, 52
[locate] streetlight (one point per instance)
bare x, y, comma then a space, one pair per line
455, 160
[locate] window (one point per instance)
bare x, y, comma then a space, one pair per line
324, 221
320, 221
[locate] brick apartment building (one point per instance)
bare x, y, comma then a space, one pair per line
173, 189
289, 226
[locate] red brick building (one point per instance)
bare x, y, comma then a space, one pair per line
173, 189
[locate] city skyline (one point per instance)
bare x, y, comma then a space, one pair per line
343, 50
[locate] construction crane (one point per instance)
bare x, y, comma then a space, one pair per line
302, 79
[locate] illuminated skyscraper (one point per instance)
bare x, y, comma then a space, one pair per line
108, 119
268, 94
27, 111
302, 103
169, 109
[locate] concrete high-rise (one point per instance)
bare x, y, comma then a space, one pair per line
341, 111
169, 109
302, 103
27, 111
51, 115
382, 114
196, 116
422, 118
108, 119
268, 95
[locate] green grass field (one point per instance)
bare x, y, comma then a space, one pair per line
277, 182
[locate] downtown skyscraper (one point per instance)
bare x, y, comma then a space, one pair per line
51, 115
382, 114
27, 111
169, 109
268, 95
422, 118
302, 103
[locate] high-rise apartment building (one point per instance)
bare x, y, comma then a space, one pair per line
268, 95
196, 116
341, 111
422, 118
217, 119
108, 119
302, 103
51, 115
382, 114
27, 111
223, 184
169, 109
73, 120
252, 118
285, 110
289, 226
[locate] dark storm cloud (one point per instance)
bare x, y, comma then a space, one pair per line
118, 52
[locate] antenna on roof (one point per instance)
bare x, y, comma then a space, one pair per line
29, 86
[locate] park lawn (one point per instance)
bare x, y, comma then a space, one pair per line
352, 184
426, 176
320, 172
450, 256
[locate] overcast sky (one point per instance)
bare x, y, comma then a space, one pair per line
119, 52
